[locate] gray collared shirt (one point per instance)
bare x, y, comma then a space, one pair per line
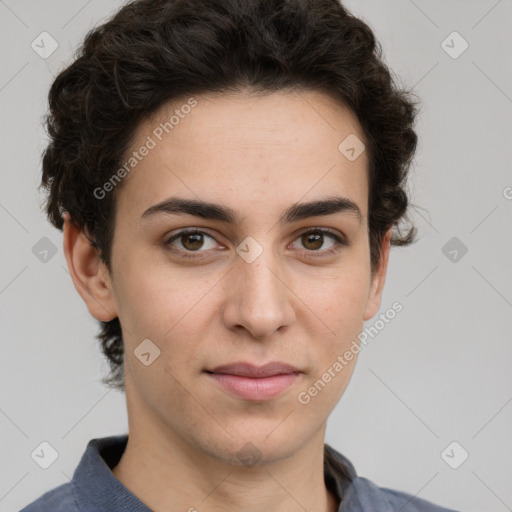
94, 488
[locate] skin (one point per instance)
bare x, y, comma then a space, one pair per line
258, 155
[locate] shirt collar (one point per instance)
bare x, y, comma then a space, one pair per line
94, 481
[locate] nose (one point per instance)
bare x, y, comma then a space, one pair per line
259, 298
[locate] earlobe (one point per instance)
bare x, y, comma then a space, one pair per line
378, 280
88, 272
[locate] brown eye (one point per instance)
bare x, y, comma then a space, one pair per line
191, 241
312, 240
194, 243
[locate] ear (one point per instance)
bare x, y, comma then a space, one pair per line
89, 274
378, 279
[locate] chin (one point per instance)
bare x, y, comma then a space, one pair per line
255, 447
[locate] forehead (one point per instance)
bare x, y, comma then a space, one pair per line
245, 150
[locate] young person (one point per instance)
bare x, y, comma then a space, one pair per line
229, 177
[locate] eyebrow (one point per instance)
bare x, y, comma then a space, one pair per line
296, 212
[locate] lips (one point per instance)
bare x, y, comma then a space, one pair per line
243, 369
255, 383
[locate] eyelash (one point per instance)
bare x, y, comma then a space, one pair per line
339, 242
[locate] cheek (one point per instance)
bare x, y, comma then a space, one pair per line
170, 308
145, 305
339, 304
144, 286
339, 296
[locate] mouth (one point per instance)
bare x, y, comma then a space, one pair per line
254, 383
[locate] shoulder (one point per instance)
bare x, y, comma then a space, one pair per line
367, 495
59, 499
360, 494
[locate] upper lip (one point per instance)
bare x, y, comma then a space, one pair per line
249, 370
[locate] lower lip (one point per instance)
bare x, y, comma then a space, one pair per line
251, 388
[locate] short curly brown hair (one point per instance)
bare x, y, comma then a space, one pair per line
152, 51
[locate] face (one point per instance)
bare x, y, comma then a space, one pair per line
260, 287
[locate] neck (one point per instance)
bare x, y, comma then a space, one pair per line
165, 472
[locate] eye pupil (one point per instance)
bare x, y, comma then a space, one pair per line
317, 240
195, 245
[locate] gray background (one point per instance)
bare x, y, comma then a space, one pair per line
439, 372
